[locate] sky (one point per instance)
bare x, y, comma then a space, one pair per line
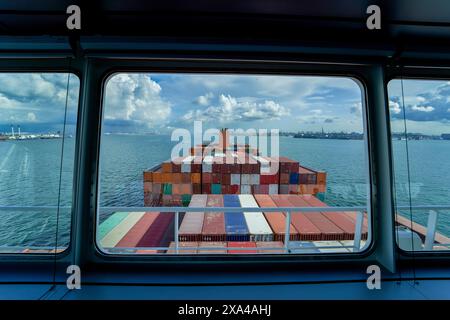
162, 102
159, 103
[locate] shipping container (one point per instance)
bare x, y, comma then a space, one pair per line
261, 245
235, 224
257, 224
328, 229
120, 230
106, 226
187, 244
340, 219
306, 229
192, 223
214, 222
160, 233
241, 244
221, 247
132, 238
276, 220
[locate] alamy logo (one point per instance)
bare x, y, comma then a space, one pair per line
74, 20
374, 280
74, 280
223, 143
374, 20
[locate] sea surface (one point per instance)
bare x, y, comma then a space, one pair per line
31, 175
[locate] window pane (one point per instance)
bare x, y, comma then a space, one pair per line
420, 115
33, 133
248, 144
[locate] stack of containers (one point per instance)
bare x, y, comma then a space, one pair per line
250, 172
269, 176
173, 182
235, 223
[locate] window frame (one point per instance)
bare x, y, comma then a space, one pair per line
48, 65
295, 68
426, 73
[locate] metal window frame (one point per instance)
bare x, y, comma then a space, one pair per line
417, 71
233, 66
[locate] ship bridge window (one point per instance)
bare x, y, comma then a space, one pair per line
420, 126
38, 117
225, 164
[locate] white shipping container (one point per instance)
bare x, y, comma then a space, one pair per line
254, 179
245, 179
246, 189
273, 189
235, 179
257, 224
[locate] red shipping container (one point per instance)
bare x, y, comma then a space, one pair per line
206, 178
216, 178
241, 244
196, 188
226, 179
206, 188
234, 189
185, 178
306, 228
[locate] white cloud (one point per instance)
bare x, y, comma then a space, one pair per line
229, 109
422, 108
316, 111
394, 107
205, 100
136, 98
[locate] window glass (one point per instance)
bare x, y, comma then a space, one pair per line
248, 144
420, 115
36, 160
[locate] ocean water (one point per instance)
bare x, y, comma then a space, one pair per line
30, 175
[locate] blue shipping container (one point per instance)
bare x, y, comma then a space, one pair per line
235, 225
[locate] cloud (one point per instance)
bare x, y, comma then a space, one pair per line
135, 99
431, 105
230, 109
37, 98
394, 107
356, 109
422, 108
317, 119
205, 100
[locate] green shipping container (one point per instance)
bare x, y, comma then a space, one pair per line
216, 188
167, 188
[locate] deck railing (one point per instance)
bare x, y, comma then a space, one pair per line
288, 211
